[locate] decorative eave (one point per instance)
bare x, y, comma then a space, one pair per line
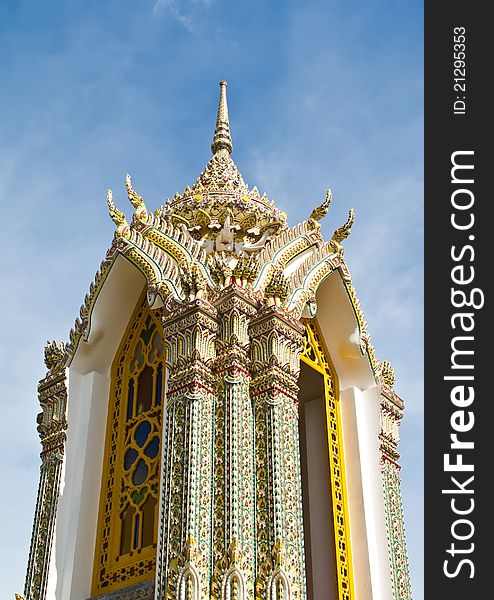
177, 250
221, 212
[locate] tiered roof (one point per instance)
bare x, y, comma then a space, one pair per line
220, 232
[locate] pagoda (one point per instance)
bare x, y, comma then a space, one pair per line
217, 425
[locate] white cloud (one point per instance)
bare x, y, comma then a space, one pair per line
185, 13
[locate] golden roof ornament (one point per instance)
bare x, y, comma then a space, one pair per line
320, 211
117, 216
220, 211
342, 232
54, 354
220, 232
136, 200
387, 373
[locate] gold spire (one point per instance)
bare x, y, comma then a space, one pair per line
222, 137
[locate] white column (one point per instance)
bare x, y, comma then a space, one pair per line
78, 507
360, 416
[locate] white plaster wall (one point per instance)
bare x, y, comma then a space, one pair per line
338, 323
72, 558
359, 403
360, 421
110, 317
79, 501
356, 504
91, 470
368, 425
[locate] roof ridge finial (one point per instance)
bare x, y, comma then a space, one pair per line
222, 137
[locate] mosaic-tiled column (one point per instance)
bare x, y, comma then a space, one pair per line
276, 344
234, 480
185, 561
391, 414
52, 391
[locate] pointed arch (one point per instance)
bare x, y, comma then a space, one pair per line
279, 587
233, 587
189, 584
126, 540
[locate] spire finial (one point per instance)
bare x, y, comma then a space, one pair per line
222, 137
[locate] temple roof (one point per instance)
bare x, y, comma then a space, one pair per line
220, 233
220, 211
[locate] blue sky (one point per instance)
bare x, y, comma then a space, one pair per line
321, 93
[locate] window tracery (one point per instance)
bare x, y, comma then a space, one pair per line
127, 527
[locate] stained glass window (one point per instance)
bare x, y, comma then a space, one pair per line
127, 527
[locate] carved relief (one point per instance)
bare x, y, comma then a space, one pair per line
52, 425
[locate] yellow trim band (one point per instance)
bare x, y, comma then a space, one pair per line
316, 356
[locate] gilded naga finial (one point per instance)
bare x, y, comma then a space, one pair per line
222, 138
136, 200
54, 354
320, 211
342, 232
117, 216
387, 373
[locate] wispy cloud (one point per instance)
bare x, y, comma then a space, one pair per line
185, 13
171, 7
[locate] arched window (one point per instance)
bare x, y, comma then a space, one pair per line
127, 527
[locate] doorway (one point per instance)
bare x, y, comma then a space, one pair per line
320, 561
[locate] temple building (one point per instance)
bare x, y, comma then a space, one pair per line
217, 426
